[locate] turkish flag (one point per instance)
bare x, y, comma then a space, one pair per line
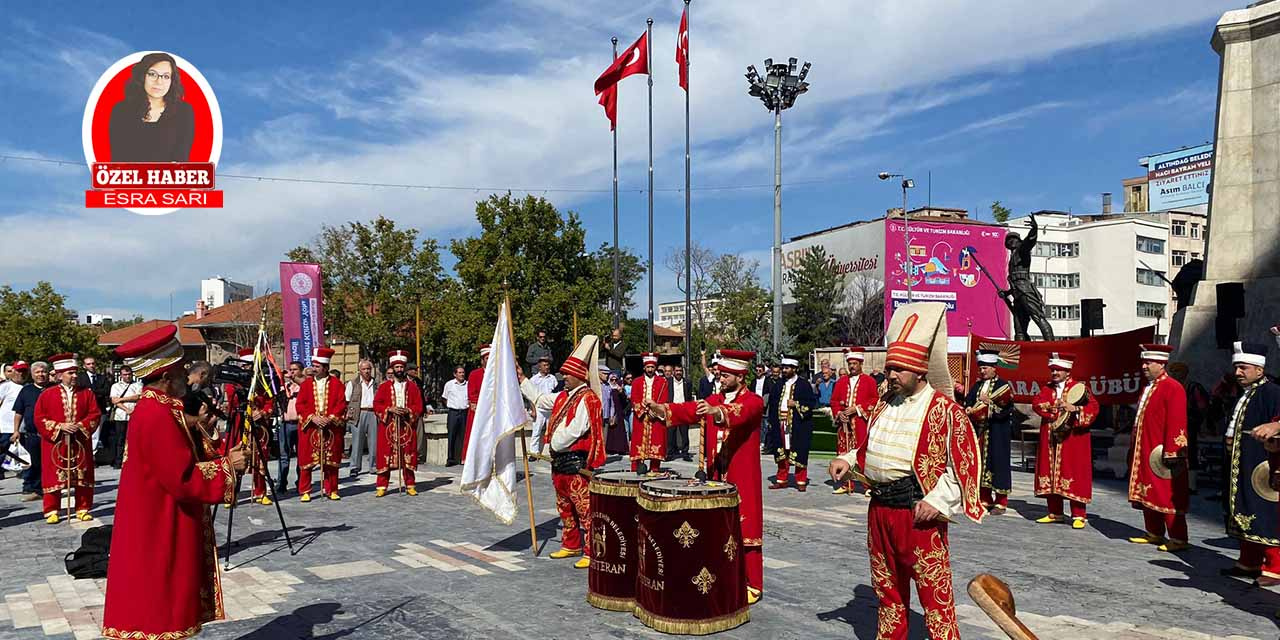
682, 49
609, 100
634, 59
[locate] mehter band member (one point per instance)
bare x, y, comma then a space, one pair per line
1158, 467
575, 433
923, 465
322, 407
259, 415
1252, 517
648, 432
990, 408
162, 581
730, 451
66, 416
1064, 464
796, 402
153, 123
398, 407
852, 400
474, 380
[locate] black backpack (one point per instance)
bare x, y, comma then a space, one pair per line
90, 560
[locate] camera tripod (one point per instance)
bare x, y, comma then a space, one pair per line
254, 458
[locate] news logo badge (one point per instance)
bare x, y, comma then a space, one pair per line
152, 136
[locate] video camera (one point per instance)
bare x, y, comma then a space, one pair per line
231, 373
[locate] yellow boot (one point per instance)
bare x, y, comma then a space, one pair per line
1077, 523
1174, 546
335, 496
565, 553
306, 497
379, 492
1049, 518
582, 563
52, 518
83, 516
264, 500
753, 595
1147, 538
411, 491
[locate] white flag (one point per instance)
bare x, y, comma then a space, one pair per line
489, 474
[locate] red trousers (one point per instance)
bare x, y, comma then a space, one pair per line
1157, 523
902, 551
329, 480
654, 465
384, 478
259, 483
1002, 499
784, 471
53, 500
573, 500
1254, 556
754, 557
1055, 506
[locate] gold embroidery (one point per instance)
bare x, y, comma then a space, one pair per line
890, 618
686, 535
208, 469
881, 577
703, 581
731, 548
1180, 440
110, 632
1140, 489
1244, 522
1066, 483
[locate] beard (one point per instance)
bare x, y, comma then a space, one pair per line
400, 375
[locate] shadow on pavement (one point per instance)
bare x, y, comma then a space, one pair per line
1201, 567
302, 622
521, 542
861, 614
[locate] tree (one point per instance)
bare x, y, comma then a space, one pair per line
36, 324
527, 248
862, 311
112, 325
374, 275
999, 212
816, 289
698, 284
744, 304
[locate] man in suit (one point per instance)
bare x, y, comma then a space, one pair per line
679, 389
763, 387
100, 384
709, 385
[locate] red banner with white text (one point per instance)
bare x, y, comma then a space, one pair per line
1109, 364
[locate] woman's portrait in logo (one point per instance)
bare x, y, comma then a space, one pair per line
152, 123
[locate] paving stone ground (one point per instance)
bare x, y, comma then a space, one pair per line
437, 566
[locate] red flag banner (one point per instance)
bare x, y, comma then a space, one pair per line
1109, 364
634, 59
609, 100
682, 49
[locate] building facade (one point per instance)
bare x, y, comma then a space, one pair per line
218, 291
1121, 258
671, 314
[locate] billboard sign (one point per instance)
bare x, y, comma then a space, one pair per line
1179, 178
854, 251
942, 260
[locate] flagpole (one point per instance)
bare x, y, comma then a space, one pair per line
688, 241
524, 445
648, 39
617, 278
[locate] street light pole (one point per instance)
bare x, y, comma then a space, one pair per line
908, 268
778, 90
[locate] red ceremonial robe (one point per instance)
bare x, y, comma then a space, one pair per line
731, 452
862, 394
162, 581
474, 380
397, 439
648, 441
66, 461
1161, 421
320, 447
573, 495
1065, 468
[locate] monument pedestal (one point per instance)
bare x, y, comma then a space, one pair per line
1244, 202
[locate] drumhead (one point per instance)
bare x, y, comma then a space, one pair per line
626, 477
687, 488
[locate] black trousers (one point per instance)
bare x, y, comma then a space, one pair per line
678, 440
457, 426
119, 429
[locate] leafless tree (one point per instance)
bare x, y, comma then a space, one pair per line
862, 311
701, 261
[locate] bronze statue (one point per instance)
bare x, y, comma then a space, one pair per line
1022, 297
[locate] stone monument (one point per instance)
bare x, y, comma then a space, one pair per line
1243, 244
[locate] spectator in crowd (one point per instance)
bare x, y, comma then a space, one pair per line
199, 375
680, 389
90, 378
615, 351
612, 399
455, 398
546, 383
825, 381
763, 387
14, 379
295, 374
667, 371
125, 393
538, 350
363, 423
709, 384
24, 409
336, 373
415, 376
627, 379
1197, 409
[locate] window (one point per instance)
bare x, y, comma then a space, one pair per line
1195, 255
1056, 249
1195, 230
1149, 277
1178, 228
1177, 258
1063, 311
1056, 280
1150, 309
1150, 245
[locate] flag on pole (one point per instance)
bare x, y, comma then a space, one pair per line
609, 100
634, 59
489, 473
682, 49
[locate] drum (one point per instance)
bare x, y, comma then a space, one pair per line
690, 574
611, 580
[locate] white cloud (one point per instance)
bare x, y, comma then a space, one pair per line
1011, 119
394, 114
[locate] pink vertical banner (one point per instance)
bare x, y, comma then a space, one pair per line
941, 260
301, 309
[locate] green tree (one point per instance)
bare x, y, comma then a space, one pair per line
112, 325
816, 289
999, 212
744, 306
528, 249
35, 324
374, 275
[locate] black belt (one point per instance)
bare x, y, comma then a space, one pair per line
902, 493
363, 410
568, 462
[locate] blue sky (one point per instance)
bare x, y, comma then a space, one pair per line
1041, 107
